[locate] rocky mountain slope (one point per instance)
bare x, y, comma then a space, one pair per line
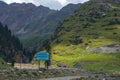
33, 24
94, 28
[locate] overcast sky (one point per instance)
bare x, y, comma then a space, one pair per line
53, 4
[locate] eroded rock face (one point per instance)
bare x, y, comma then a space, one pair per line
106, 49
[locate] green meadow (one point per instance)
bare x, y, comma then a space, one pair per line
92, 26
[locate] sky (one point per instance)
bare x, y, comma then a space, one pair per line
53, 4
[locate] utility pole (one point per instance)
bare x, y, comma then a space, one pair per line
21, 62
20, 59
38, 65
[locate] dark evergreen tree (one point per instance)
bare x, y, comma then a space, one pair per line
10, 46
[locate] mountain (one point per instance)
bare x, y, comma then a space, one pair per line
10, 47
90, 37
33, 24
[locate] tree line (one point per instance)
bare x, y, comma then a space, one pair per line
11, 48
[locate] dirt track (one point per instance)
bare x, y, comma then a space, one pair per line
62, 78
25, 66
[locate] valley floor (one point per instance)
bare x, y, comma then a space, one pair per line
56, 74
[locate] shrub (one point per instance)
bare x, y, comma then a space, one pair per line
114, 33
76, 40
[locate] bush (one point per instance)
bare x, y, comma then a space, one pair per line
114, 21
76, 40
114, 33
110, 28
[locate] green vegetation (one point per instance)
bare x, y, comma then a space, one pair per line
4, 65
92, 26
11, 48
73, 55
35, 42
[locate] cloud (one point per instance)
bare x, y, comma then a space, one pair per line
53, 4
76, 1
63, 2
18, 1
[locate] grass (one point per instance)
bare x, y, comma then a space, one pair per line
4, 65
98, 61
71, 55
68, 54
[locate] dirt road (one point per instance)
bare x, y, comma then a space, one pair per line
62, 78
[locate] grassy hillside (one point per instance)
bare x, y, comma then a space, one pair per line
94, 25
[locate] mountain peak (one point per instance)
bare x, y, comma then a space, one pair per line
22, 4
43, 7
71, 5
2, 3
